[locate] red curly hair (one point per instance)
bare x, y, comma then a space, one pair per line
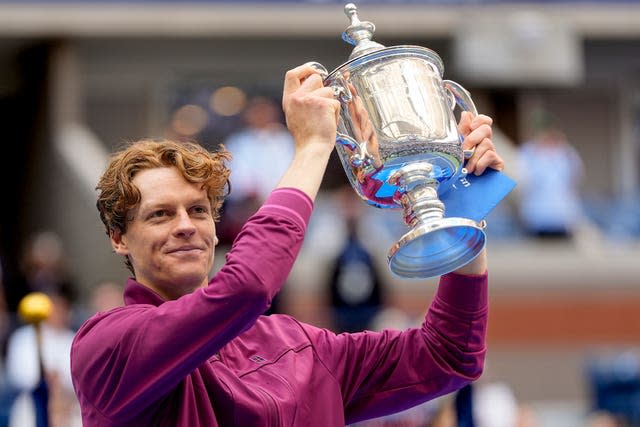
117, 195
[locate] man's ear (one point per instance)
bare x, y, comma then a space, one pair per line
118, 243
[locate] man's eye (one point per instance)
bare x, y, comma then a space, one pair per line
200, 209
158, 214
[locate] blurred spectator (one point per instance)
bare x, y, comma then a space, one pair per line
104, 296
43, 268
550, 172
463, 404
261, 151
603, 419
495, 405
615, 388
355, 284
445, 417
23, 367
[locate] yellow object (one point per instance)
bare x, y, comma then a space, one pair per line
35, 307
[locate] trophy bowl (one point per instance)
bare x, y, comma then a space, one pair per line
400, 147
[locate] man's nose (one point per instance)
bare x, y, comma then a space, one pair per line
184, 224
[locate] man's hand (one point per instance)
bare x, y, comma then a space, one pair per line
310, 109
477, 134
312, 115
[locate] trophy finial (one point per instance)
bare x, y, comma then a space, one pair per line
351, 11
359, 33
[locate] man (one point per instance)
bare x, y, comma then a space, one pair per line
549, 197
189, 351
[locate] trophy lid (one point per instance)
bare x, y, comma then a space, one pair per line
359, 33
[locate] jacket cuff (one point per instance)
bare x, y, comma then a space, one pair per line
465, 292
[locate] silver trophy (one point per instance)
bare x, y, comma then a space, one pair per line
399, 143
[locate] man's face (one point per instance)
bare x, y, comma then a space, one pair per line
170, 238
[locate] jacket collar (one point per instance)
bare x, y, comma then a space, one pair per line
137, 293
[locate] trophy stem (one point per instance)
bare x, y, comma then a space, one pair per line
417, 194
434, 245
421, 205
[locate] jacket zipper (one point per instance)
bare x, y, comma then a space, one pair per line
272, 409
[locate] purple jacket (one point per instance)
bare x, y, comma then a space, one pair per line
210, 358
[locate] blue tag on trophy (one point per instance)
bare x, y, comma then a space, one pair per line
474, 196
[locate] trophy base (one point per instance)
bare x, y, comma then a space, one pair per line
436, 248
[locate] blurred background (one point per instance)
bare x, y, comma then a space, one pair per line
560, 78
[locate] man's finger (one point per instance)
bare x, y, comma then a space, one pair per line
464, 125
480, 150
490, 159
480, 120
294, 78
314, 82
477, 136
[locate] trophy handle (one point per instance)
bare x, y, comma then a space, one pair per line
319, 68
462, 98
359, 156
339, 86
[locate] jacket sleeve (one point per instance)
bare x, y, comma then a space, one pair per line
386, 372
127, 359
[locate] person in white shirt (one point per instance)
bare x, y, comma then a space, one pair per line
23, 368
